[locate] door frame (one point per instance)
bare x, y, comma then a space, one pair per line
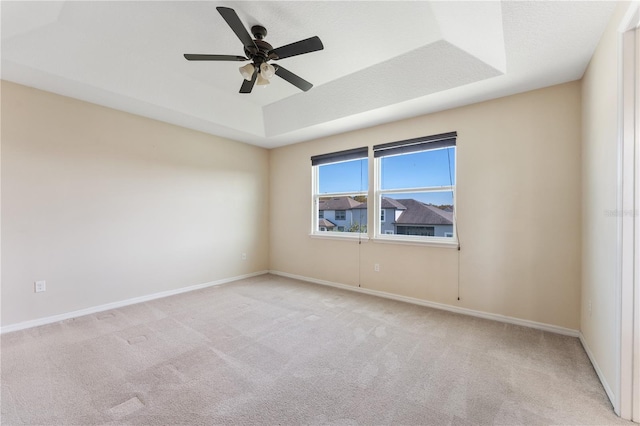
627, 404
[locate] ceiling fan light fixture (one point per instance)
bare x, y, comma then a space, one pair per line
247, 71
267, 70
262, 81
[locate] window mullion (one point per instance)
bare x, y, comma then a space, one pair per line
420, 189
377, 205
341, 194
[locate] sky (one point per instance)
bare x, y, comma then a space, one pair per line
420, 169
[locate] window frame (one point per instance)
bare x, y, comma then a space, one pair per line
378, 193
374, 192
316, 195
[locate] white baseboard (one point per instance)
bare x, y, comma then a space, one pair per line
442, 306
120, 304
603, 380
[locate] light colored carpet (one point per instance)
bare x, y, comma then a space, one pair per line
271, 350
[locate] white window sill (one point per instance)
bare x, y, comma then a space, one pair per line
448, 243
349, 236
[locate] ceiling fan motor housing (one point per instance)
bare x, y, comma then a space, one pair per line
261, 54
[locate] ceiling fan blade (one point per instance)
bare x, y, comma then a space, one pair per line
297, 81
247, 86
198, 57
237, 26
298, 48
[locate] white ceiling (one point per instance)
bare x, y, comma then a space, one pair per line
382, 61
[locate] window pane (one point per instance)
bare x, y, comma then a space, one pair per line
343, 214
421, 213
419, 169
349, 176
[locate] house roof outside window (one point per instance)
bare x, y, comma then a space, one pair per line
390, 203
414, 212
339, 203
418, 213
324, 223
387, 203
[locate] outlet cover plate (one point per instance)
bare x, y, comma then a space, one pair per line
40, 286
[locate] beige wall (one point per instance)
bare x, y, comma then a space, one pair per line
518, 200
599, 183
107, 206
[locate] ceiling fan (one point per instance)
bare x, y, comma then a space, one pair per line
259, 52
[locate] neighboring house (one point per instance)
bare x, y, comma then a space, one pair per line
326, 225
423, 219
341, 212
390, 211
403, 217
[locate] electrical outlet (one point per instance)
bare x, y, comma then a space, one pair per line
244, 256
40, 286
376, 267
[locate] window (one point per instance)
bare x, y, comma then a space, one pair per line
340, 188
381, 215
416, 178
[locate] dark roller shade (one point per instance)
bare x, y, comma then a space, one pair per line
334, 157
424, 143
